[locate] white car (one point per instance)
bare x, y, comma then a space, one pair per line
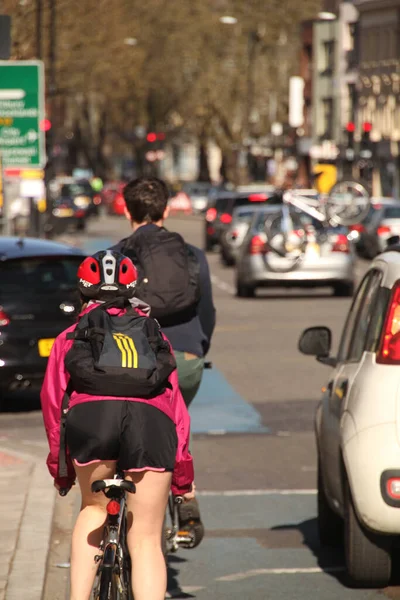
358, 426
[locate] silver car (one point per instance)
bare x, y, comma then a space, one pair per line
232, 239
328, 258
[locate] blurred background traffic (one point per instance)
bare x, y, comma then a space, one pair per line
210, 97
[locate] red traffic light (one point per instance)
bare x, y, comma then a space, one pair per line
45, 125
151, 137
350, 127
367, 127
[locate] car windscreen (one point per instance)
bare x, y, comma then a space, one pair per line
257, 199
38, 275
224, 204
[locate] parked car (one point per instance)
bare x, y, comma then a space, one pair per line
357, 426
219, 216
38, 299
328, 259
381, 223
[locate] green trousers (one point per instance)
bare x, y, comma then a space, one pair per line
190, 372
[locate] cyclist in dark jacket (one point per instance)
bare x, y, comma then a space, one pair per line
146, 201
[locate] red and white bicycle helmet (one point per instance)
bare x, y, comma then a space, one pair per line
107, 274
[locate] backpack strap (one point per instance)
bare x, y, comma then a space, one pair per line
62, 456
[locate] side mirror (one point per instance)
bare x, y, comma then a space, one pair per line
316, 341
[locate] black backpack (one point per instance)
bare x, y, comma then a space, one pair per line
169, 274
123, 356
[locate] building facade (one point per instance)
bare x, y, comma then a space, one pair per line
379, 86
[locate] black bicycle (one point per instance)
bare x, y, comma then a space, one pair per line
113, 579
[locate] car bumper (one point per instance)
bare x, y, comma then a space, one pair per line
254, 270
22, 376
367, 455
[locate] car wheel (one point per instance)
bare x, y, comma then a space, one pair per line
368, 559
343, 290
81, 225
330, 525
228, 262
245, 291
209, 246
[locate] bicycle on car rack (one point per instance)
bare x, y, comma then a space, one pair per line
347, 203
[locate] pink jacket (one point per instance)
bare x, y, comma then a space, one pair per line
53, 389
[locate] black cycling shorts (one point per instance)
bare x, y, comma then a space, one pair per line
135, 434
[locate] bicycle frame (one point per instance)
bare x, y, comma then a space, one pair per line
113, 559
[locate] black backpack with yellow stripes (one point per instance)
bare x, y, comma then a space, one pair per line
122, 356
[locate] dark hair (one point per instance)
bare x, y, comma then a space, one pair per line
146, 199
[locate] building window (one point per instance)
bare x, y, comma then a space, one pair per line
328, 58
327, 117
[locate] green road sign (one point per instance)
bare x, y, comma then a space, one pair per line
22, 143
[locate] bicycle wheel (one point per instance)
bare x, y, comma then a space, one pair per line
107, 587
348, 202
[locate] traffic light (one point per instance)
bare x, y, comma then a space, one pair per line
349, 151
151, 137
366, 144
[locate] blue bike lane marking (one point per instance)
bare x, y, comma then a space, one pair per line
217, 408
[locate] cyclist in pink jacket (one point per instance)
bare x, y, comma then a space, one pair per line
146, 438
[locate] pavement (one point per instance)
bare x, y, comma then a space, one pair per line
27, 499
254, 455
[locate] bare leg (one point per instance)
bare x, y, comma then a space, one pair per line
147, 506
88, 529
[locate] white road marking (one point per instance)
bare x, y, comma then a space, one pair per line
257, 572
222, 285
216, 432
272, 492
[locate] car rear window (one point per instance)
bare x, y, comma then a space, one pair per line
391, 212
39, 275
75, 189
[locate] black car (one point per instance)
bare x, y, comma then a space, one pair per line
72, 206
38, 300
219, 216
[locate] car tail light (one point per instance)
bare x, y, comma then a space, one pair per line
357, 227
225, 218
340, 243
97, 200
113, 507
389, 350
393, 488
80, 214
258, 197
383, 229
211, 214
257, 245
4, 320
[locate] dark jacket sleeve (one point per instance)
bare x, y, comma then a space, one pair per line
206, 308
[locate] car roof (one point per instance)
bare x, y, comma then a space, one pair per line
385, 201
14, 247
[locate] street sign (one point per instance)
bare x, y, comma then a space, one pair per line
22, 143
